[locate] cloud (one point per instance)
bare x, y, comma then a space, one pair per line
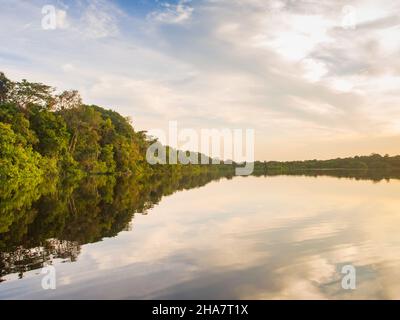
100, 19
68, 67
173, 13
288, 69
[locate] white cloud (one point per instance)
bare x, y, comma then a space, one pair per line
294, 36
314, 70
174, 14
100, 20
68, 67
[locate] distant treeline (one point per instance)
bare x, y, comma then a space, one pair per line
372, 162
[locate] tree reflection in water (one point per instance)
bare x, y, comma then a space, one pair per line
41, 223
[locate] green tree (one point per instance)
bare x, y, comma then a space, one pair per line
51, 130
4, 87
16, 161
26, 93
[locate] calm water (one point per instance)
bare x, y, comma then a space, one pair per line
245, 238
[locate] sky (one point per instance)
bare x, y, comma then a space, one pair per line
314, 79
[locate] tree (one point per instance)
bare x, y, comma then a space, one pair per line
68, 100
4, 87
26, 93
107, 157
17, 162
51, 131
11, 114
84, 124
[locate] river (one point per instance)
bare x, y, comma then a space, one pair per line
268, 237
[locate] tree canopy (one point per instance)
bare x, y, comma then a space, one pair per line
57, 134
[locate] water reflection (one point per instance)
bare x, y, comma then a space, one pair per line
263, 238
50, 221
